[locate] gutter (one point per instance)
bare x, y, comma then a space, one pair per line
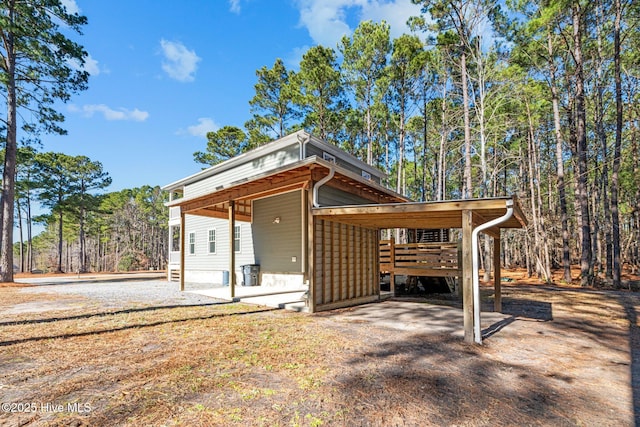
320, 183
477, 336
303, 141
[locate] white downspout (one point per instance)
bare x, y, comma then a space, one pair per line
319, 184
303, 141
477, 336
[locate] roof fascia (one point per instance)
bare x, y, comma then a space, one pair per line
236, 161
332, 149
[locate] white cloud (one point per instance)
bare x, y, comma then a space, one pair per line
326, 20
111, 114
234, 6
292, 60
204, 126
179, 62
396, 13
91, 66
71, 6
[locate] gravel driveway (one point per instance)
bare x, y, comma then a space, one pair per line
115, 291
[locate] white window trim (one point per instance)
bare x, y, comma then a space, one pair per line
215, 240
239, 239
192, 233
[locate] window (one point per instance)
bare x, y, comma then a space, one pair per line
366, 175
212, 241
328, 157
192, 243
236, 238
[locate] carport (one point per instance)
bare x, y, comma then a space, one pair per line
472, 216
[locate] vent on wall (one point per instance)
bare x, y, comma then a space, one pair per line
328, 157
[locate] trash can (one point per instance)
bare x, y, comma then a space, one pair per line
250, 273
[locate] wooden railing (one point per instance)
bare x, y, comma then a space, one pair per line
419, 259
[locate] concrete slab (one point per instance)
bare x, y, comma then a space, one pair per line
271, 296
417, 316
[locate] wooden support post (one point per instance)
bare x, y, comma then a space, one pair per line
459, 278
497, 276
467, 275
182, 247
232, 252
392, 259
311, 250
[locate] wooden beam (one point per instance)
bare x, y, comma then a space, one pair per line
182, 247
467, 275
497, 276
340, 266
348, 250
392, 260
419, 215
219, 213
311, 251
331, 263
232, 252
252, 190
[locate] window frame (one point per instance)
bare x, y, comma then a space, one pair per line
237, 229
192, 243
210, 241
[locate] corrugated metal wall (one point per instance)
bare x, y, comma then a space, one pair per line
345, 265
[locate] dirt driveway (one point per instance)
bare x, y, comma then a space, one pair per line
556, 356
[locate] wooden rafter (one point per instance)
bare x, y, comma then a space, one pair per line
424, 215
245, 192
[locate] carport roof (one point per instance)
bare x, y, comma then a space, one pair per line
442, 214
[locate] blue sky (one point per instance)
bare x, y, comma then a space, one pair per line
165, 72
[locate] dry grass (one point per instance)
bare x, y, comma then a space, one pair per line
564, 358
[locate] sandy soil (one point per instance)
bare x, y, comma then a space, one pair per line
558, 355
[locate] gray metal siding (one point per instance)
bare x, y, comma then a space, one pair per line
329, 196
312, 150
276, 243
240, 173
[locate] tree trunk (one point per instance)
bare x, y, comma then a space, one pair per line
615, 218
442, 152
9, 172
586, 257
29, 233
21, 233
60, 242
601, 134
466, 185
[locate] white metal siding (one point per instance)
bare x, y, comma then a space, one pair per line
202, 260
